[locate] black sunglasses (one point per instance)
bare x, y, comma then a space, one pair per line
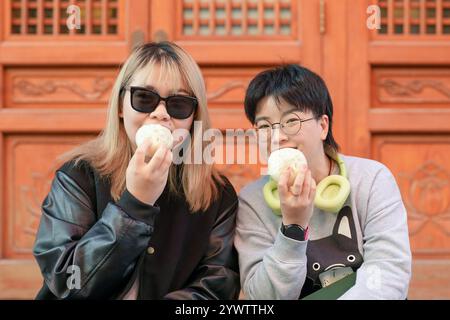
177, 106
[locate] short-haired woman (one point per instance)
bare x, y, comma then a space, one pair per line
338, 217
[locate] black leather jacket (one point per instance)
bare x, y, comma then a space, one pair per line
191, 256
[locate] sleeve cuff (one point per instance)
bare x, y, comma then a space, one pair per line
137, 209
289, 250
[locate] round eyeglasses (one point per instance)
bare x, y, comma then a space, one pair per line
290, 124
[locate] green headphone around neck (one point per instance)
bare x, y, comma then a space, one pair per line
331, 192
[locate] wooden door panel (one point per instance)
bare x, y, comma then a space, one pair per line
226, 92
390, 89
406, 20
431, 279
20, 279
421, 168
36, 32
28, 171
257, 32
411, 87
245, 164
37, 20
226, 86
399, 115
62, 88
54, 89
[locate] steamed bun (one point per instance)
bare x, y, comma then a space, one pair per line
159, 135
281, 159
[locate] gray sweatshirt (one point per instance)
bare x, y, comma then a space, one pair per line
368, 236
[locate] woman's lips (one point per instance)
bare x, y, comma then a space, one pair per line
158, 123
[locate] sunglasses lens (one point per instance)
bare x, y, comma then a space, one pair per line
144, 100
180, 107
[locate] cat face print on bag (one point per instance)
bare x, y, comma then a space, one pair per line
334, 256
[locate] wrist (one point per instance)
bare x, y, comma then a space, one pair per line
295, 231
140, 197
288, 221
137, 209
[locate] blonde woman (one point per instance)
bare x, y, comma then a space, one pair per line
117, 225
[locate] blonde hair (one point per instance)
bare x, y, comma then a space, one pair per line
110, 152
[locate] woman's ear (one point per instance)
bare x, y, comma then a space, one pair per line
325, 125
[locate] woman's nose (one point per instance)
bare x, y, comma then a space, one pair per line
160, 113
278, 136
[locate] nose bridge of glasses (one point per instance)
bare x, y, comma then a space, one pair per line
276, 126
281, 127
278, 131
165, 100
161, 106
286, 128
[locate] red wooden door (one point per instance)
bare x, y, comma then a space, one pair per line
234, 40
55, 83
54, 87
390, 89
398, 100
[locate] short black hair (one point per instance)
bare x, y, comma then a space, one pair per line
296, 85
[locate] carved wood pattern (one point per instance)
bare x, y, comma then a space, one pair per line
32, 197
99, 87
428, 196
420, 166
414, 88
58, 88
227, 87
29, 182
397, 87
